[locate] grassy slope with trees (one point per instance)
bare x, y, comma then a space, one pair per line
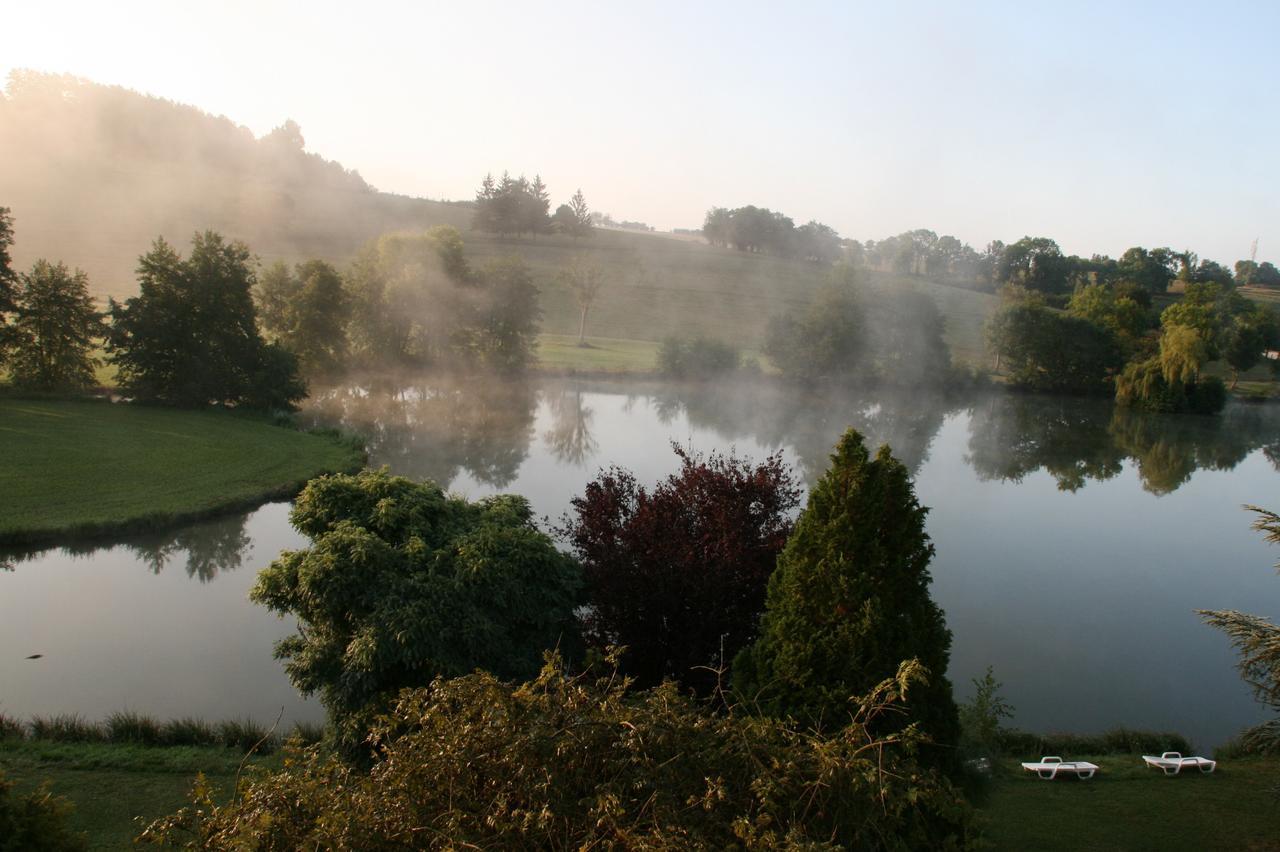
144, 466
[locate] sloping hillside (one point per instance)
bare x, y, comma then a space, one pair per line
94, 173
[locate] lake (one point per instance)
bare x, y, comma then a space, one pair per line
1074, 543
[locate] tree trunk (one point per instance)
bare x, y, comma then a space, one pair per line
582, 326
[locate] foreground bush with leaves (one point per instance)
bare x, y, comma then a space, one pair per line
35, 822
575, 763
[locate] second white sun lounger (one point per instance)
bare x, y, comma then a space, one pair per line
1049, 767
1172, 762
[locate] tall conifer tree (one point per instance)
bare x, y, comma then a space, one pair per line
850, 600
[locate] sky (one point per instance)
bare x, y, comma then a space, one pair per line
1101, 125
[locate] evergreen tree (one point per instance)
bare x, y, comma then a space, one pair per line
55, 330
581, 215
537, 203
483, 220
850, 601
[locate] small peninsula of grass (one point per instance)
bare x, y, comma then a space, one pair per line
80, 468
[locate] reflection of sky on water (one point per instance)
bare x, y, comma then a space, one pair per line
1074, 544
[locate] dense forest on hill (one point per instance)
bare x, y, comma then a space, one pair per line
94, 173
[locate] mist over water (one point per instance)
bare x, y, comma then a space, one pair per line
1074, 542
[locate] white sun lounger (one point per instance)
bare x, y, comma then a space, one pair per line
1172, 762
1049, 767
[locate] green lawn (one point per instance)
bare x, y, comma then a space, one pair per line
1128, 806
80, 467
117, 789
561, 352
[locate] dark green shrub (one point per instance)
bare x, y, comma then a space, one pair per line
571, 763
36, 822
698, 357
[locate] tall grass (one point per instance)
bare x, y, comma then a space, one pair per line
1116, 741
128, 727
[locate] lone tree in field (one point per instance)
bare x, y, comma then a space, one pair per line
677, 574
1258, 641
584, 281
850, 601
56, 330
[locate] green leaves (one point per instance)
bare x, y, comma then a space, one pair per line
402, 584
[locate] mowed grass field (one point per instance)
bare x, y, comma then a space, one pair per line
1128, 806
81, 467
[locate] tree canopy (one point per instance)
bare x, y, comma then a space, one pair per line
849, 602
56, 329
305, 310
191, 337
677, 573
512, 206
1046, 350
402, 583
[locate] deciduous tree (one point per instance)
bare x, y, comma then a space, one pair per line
56, 329
583, 280
677, 573
402, 583
190, 337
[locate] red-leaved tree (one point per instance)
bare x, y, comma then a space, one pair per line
678, 573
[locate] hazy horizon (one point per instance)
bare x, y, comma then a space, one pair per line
1099, 126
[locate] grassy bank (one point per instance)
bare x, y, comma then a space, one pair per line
83, 468
1128, 806
117, 789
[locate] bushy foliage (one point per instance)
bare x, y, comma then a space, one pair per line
981, 717
305, 310
757, 229
677, 574
850, 600
402, 583
35, 822
56, 327
823, 340
572, 763
191, 338
415, 301
697, 357
1257, 640
1048, 351
1146, 385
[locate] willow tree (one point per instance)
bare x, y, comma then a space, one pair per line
849, 602
1258, 641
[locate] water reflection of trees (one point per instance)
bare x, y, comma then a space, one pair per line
207, 548
1078, 440
434, 429
811, 422
569, 437
210, 547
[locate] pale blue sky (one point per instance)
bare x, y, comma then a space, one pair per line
1102, 125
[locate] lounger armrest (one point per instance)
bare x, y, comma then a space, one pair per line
1051, 759
1171, 755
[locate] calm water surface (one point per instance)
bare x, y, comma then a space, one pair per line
1074, 545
